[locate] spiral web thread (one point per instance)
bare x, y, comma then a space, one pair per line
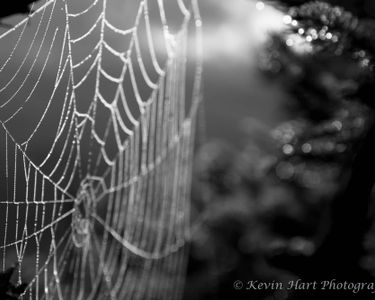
97, 131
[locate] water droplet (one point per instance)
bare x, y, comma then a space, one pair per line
362, 53
287, 19
288, 149
365, 62
306, 148
289, 42
337, 125
324, 19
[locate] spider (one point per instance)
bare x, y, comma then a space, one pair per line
8, 290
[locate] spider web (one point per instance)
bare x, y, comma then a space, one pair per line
97, 113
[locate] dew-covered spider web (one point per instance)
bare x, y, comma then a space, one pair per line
98, 103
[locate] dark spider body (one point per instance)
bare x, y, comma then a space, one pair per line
8, 290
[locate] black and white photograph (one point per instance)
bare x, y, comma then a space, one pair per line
187, 149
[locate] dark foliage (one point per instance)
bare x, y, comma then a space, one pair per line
361, 8
332, 76
299, 202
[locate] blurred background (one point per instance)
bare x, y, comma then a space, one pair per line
286, 126
234, 92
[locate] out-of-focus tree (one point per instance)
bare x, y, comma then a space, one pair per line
296, 202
